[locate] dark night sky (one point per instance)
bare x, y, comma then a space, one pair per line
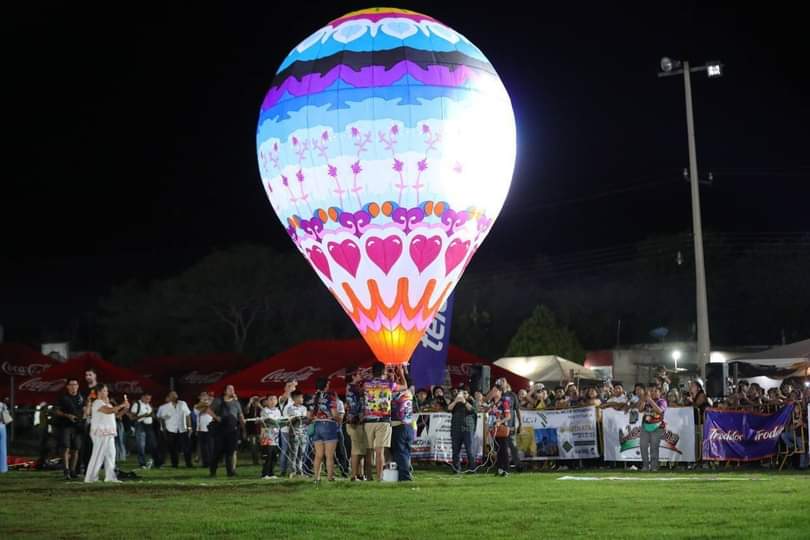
132, 133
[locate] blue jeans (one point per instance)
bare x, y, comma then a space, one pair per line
401, 437
3, 456
120, 442
464, 438
789, 438
284, 440
144, 442
326, 432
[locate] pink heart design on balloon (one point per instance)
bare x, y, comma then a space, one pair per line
318, 259
346, 254
455, 254
424, 250
384, 252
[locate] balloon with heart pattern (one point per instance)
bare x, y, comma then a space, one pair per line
386, 145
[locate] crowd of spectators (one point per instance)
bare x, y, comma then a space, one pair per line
355, 434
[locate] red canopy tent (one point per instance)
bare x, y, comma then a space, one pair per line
314, 359
192, 374
50, 384
22, 363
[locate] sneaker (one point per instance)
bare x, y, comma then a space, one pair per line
67, 474
267, 477
274, 477
150, 463
633, 468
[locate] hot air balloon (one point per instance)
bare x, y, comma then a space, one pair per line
386, 146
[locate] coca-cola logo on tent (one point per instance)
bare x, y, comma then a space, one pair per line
365, 372
282, 375
195, 377
24, 371
38, 385
132, 387
461, 369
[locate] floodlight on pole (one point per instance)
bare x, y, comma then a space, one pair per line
714, 69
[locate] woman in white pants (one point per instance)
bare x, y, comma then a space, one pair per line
102, 432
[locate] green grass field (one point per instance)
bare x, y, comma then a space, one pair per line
187, 504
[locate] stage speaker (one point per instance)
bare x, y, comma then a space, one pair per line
716, 379
479, 379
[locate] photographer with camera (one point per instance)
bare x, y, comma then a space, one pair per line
70, 421
462, 429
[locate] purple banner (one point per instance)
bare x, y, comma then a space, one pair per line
743, 436
429, 360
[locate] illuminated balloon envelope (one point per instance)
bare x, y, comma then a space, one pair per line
386, 145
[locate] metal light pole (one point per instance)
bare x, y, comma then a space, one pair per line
714, 69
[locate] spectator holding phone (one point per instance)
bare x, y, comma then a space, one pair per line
462, 429
102, 432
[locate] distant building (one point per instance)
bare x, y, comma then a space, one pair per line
638, 363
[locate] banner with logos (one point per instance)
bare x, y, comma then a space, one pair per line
743, 436
433, 441
429, 359
621, 435
558, 434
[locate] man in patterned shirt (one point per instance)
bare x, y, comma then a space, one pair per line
377, 394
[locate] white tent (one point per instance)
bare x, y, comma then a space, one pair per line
794, 355
546, 368
792, 360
